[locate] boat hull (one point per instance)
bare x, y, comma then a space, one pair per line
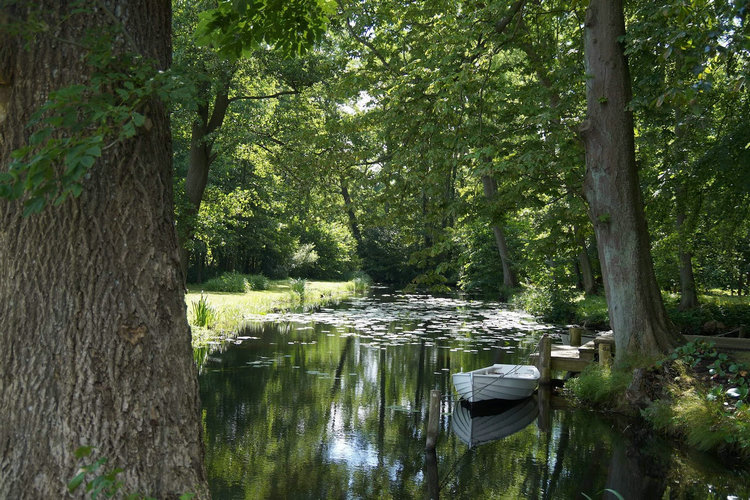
510, 382
507, 419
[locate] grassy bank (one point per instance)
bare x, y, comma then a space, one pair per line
215, 315
696, 395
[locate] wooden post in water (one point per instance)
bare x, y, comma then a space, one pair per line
605, 354
433, 420
544, 419
545, 359
575, 336
432, 478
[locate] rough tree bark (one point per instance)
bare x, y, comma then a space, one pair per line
96, 346
509, 275
636, 311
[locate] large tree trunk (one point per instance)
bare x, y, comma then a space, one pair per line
96, 346
636, 310
509, 275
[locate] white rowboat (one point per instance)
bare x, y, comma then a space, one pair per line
497, 382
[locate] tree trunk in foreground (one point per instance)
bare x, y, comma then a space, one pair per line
636, 311
96, 346
509, 275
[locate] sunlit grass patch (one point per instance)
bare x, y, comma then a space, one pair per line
228, 309
703, 421
600, 386
591, 310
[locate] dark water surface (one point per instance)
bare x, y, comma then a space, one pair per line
333, 404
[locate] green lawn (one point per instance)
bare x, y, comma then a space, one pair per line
229, 309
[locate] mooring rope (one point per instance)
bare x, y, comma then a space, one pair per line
452, 470
478, 391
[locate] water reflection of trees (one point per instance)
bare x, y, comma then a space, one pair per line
319, 414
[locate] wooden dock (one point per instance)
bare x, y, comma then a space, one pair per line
574, 358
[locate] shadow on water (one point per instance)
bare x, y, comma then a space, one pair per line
333, 404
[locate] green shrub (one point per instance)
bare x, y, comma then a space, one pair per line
599, 386
550, 303
591, 311
360, 280
228, 282
256, 282
203, 315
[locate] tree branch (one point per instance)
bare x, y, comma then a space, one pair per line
367, 43
505, 21
261, 97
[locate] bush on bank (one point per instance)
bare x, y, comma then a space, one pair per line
696, 394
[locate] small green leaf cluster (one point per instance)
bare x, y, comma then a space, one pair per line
721, 370
693, 353
298, 286
79, 122
104, 482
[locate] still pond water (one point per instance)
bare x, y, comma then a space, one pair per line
333, 404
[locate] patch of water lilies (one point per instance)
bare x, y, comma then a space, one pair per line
399, 319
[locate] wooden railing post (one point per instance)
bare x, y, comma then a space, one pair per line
575, 336
605, 354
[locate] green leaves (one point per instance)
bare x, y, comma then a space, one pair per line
237, 27
78, 123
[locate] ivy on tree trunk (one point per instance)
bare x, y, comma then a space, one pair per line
96, 345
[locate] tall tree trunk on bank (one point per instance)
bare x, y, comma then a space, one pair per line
96, 346
353, 224
201, 157
509, 275
636, 311
688, 294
